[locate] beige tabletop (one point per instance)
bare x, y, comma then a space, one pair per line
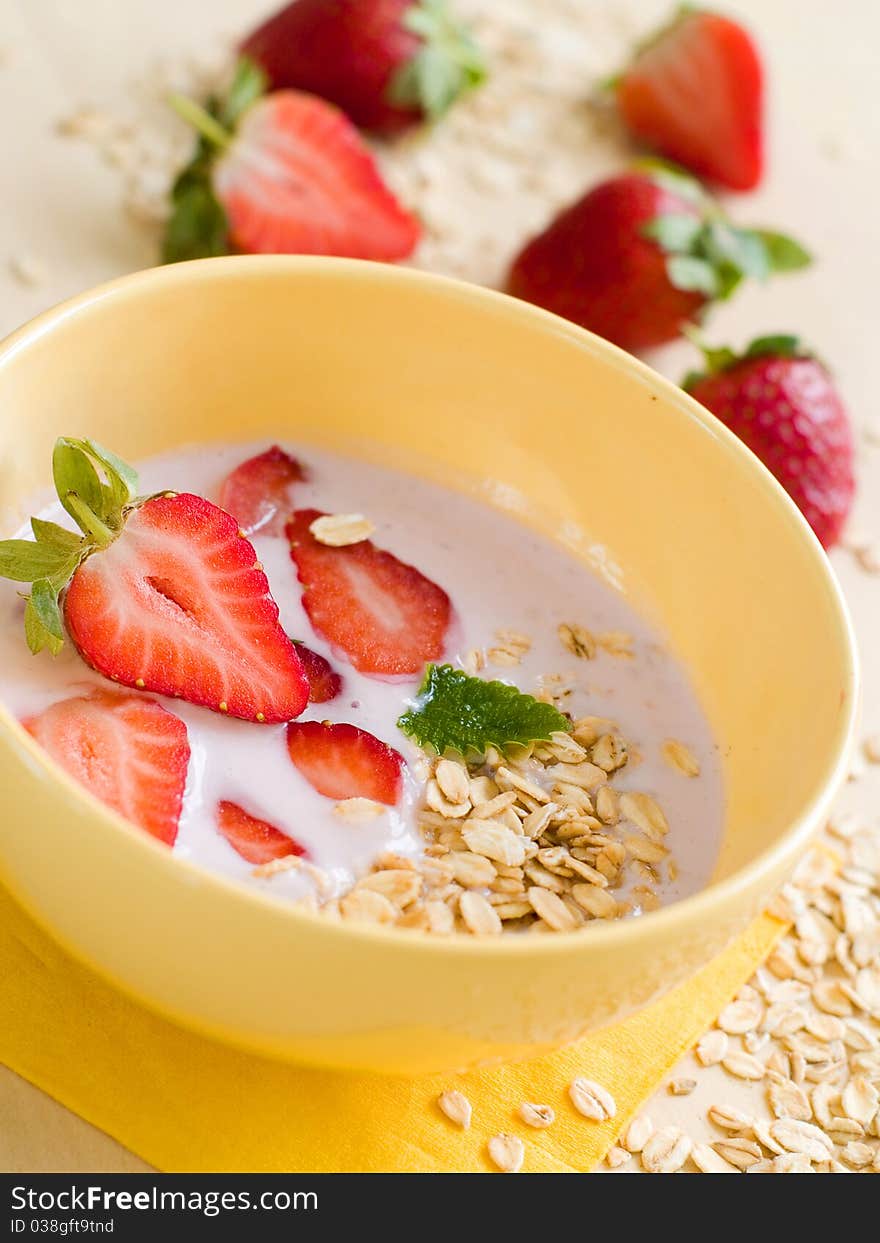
64, 229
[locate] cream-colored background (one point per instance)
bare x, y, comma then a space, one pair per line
60, 211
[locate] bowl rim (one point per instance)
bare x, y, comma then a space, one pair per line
703, 904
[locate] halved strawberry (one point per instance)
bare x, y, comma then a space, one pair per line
695, 94
342, 761
258, 492
164, 594
126, 750
324, 682
384, 615
255, 840
299, 179
287, 173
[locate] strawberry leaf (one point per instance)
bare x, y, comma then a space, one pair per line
248, 84
782, 345
75, 477
197, 227
448, 62
122, 478
722, 357
456, 712
25, 561
51, 535
692, 272
675, 232
42, 619
95, 487
784, 254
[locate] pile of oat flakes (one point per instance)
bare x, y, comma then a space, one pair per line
806, 1029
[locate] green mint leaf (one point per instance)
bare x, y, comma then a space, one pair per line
456, 712
448, 63
675, 232
25, 561
76, 479
784, 254
42, 619
197, 227
248, 84
692, 272
51, 535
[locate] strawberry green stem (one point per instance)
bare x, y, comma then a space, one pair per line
201, 120
89, 521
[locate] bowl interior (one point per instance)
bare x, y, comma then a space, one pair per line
490, 396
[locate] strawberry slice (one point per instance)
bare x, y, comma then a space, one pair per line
126, 750
342, 761
177, 605
324, 682
298, 179
255, 840
257, 493
694, 93
384, 615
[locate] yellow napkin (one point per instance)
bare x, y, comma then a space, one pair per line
183, 1103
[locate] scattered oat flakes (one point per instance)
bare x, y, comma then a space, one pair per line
340, 530
616, 1157
681, 1087
507, 1152
868, 557
708, 1161
28, 269
681, 758
666, 1151
788, 1100
366, 906
288, 863
712, 1047
871, 747
495, 841
739, 1152
616, 643
478, 914
743, 1065
577, 640
740, 1016
401, 886
550, 907
538, 1116
637, 1134
860, 1100
591, 1099
802, 1137
355, 809
457, 1108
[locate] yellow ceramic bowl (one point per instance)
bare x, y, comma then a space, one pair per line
495, 398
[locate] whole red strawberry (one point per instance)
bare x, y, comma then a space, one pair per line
387, 63
781, 402
160, 593
285, 173
694, 94
642, 255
